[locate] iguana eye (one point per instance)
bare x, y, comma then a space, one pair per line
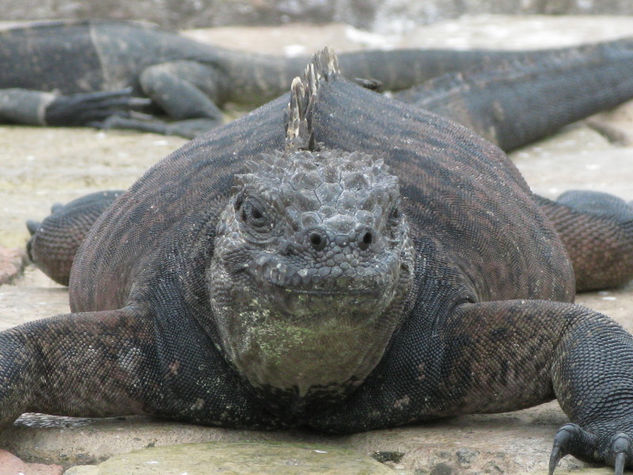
394, 215
252, 213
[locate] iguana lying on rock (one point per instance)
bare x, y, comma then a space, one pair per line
369, 266
84, 73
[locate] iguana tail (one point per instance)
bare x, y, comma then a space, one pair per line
516, 102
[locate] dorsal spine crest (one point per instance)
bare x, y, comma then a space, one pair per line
303, 95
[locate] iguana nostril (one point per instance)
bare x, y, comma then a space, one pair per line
365, 241
318, 240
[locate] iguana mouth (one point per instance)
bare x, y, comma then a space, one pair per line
355, 299
325, 293
368, 280
354, 305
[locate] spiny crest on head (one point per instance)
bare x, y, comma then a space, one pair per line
305, 179
329, 182
303, 95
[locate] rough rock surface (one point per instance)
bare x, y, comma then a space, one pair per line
10, 464
12, 262
41, 166
238, 457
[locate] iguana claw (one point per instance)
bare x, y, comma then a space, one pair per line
622, 448
92, 107
561, 445
573, 440
620, 460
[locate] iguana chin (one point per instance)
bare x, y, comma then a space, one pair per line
264, 278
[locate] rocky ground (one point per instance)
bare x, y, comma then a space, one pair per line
39, 166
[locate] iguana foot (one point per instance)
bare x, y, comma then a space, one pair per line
597, 230
55, 240
571, 439
92, 108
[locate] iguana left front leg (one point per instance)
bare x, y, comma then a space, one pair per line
501, 356
584, 357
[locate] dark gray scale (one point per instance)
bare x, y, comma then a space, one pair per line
44, 51
110, 74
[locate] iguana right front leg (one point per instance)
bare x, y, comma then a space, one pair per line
82, 364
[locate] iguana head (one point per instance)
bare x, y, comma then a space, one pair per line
311, 269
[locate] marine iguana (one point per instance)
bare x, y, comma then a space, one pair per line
341, 275
86, 72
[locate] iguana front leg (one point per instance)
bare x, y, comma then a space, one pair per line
186, 91
524, 346
82, 364
502, 356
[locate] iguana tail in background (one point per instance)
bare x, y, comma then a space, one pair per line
522, 100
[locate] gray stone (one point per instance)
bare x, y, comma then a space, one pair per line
201, 459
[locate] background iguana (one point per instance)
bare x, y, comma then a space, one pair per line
386, 266
517, 101
86, 72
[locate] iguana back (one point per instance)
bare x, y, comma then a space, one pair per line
465, 195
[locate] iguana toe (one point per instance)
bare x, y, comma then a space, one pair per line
571, 439
621, 451
32, 226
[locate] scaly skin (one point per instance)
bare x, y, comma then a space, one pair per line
522, 100
55, 241
107, 62
451, 285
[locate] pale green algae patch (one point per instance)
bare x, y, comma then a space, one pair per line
229, 458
